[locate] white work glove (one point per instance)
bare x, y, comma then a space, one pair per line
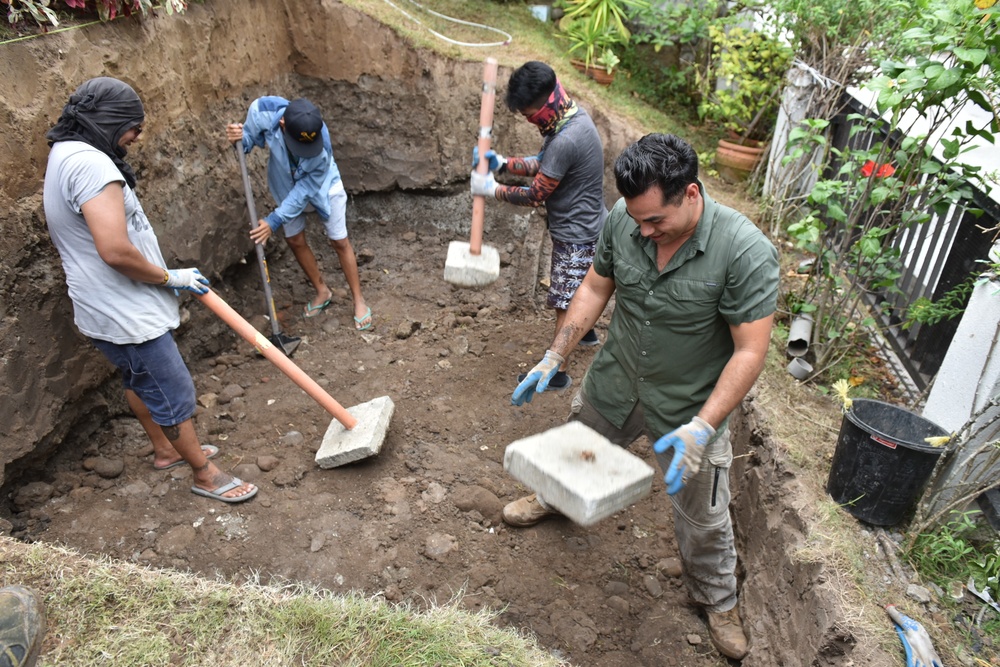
538, 378
688, 443
187, 279
483, 184
916, 642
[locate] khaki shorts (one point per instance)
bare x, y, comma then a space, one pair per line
336, 226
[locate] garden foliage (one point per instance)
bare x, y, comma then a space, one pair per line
43, 12
903, 164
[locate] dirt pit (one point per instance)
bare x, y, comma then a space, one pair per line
419, 522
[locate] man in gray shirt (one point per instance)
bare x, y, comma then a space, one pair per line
124, 300
568, 178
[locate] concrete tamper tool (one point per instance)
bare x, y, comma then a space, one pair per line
473, 264
354, 433
286, 344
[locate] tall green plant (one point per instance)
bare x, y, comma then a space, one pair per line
588, 41
595, 28
669, 79
609, 15
838, 44
827, 33
750, 65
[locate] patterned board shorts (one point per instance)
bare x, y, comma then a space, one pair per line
570, 263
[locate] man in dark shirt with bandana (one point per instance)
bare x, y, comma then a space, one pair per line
568, 178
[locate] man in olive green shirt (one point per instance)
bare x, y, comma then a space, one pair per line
695, 287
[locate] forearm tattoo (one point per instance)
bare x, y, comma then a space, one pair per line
567, 334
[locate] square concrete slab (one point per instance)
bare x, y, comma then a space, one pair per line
467, 270
579, 472
342, 446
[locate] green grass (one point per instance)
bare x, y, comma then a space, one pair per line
102, 612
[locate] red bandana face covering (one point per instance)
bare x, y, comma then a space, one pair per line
554, 113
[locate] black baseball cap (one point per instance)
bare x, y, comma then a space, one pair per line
303, 128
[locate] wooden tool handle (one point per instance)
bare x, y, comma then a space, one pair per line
485, 135
226, 313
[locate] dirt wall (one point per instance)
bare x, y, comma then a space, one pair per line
399, 118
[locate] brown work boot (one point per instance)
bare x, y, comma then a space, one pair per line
525, 512
726, 630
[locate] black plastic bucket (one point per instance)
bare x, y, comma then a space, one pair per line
882, 463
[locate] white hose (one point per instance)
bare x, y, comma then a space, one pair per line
507, 41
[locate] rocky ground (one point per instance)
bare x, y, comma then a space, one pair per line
420, 521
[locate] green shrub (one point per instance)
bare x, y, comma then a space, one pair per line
946, 554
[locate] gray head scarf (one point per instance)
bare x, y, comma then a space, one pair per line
99, 113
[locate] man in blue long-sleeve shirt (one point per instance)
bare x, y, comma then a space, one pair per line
302, 176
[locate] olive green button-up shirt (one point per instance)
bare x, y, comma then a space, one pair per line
669, 337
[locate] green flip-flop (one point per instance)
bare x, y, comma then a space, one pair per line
359, 320
312, 311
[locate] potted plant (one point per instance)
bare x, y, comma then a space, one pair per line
588, 43
607, 62
594, 28
605, 15
741, 92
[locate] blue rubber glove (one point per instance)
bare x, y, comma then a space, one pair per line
688, 443
916, 642
483, 184
494, 159
187, 279
538, 378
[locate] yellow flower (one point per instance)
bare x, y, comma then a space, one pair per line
939, 441
985, 4
841, 387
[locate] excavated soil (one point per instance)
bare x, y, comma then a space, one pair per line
421, 520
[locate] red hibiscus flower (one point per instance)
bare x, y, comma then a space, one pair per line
879, 170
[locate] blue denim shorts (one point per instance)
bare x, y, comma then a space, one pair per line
155, 371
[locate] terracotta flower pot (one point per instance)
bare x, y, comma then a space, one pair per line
601, 75
735, 161
598, 74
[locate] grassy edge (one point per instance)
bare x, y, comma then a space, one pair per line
852, 559
102, 611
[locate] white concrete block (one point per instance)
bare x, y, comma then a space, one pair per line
579, 472
342, 446
467, 270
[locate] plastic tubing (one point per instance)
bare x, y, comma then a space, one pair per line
225, 312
